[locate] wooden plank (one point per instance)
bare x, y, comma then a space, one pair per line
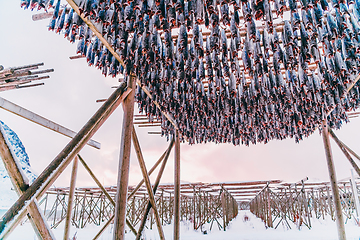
41, 16
6, 88
177, 187
20, 184
24, 73
63, 159
333, 181
35, 118
156, 184
152, 169
71, 198
343, 149
355, 195
124, 164
147, 183
108, 197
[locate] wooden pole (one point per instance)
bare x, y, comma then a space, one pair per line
35, 118
343, 149
20, 184
63, 159
152, 169
108, 197
130, 195
350, 150
333, 181
147, 182
270, 223
177, 187
157, 182
71, 198
355, 194
116, 55
124, 164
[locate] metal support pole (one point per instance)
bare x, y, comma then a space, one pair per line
177, 187
63, 159
71, 198
36, 217
333, 181
124, 164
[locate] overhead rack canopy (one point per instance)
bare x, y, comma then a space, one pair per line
225, 70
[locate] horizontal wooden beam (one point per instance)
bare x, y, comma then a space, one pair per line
35, 118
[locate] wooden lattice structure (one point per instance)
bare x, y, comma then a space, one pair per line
300, 202
200, 204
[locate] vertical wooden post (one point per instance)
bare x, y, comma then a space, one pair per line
222, 197
330, 203
270, 223
124, 164
20, 184
71, 198
355, 194
177, 188
333, 181
194, 207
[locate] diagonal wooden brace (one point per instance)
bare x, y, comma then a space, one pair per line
40, 226
106, 194
343, 149
147, 182
63, 159
157, 182
134, 191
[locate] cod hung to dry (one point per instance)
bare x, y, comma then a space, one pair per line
226, 70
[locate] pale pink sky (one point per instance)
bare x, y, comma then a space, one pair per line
69, 96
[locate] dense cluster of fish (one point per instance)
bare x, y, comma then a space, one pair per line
227, 70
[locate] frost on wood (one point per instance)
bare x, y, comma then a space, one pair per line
8, 196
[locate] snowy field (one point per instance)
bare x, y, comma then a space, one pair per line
253, 229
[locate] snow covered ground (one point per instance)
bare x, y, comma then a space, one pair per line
253, 229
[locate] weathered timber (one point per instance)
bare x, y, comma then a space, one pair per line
147, 182
71, 197
20, 184
49, 175
333, 181
35, 118
124, 164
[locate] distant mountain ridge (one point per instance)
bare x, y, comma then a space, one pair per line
9, 196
